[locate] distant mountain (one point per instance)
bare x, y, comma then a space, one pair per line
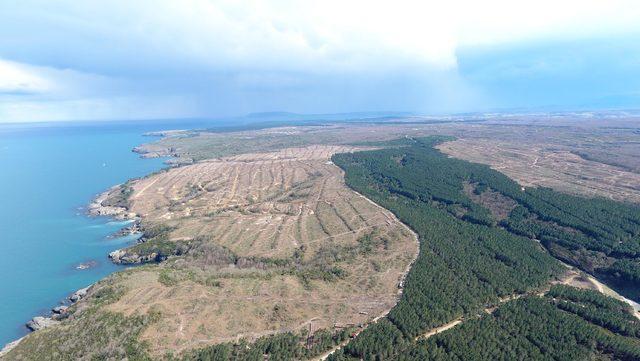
272, 115
282, 115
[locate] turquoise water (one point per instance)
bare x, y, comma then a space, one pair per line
47, 174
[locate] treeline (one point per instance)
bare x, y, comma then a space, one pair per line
597, 235
532, 328
592, 306
468, 260
465, 264
284, 346
536, 328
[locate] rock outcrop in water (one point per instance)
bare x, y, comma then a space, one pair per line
111, 203
133, 229
59, 310
122, 256
79, 294
39, 322
87, 265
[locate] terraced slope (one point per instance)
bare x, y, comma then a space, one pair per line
263, 205
306, 248
255, 244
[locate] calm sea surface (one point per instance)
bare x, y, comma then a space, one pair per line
48, 173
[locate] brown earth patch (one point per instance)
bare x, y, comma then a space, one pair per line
499, 205
307, 252
561, 170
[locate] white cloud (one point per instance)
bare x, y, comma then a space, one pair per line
291, 35
170, 48
18, 78
497, 21
125, 108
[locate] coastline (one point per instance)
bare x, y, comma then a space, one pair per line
94, 208
57, 314
105, 204
102, 205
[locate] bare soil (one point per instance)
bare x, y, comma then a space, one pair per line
264, 208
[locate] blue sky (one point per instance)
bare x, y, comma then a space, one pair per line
71, 60
601, 72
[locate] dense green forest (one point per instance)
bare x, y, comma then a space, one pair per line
469, 258
284, 346
537, 328
473, 255
597, 235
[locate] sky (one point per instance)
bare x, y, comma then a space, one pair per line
101, 60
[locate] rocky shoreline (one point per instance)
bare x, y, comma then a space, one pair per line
132, 229
174, 158
155, 150
97, 208
124, 257
104, 206
145, 152
58, 314
112, 204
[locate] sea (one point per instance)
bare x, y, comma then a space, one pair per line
48, 175
50, 172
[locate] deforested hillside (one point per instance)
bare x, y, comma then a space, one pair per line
302, 242
261, 247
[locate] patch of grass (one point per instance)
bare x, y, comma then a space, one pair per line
213, 282
326, 273
94, 335
284, 346
162, 248
119, 197
167, 278
107, 295
158, 232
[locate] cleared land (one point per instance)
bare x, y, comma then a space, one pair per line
264, 208
274, 242
263, 236
584, 156
541, 165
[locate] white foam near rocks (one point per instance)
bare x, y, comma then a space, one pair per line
10, 346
